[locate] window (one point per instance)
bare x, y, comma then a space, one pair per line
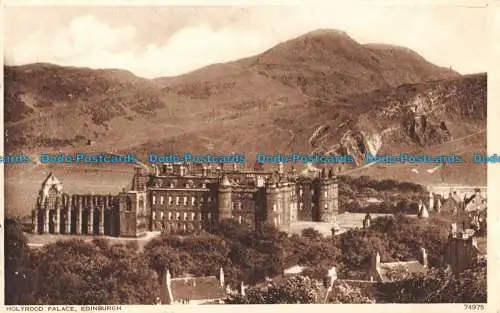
274, 207
154, 199
192, 200
301, 192
177, 200
312, 192
185, 200
301, 206
185, 216
170, 200
187, 185
184, 227
169, 216
275, 221
239, 219
192, 216
326, 205
161, 215
326, 193
203, 185
171, 185
209, 216
162, 199
52, 198
154, 215
177, 215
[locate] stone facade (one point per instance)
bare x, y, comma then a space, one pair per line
179, 198
58, 212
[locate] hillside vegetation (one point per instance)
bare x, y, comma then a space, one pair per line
320, 92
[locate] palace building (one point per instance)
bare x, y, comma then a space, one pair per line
182, 198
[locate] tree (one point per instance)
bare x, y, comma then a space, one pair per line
78, 272
162, 258
17, 256
292, 290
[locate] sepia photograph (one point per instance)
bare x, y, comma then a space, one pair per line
232, 155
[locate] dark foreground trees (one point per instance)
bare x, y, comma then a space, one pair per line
435, 286
76, 272
17, 254
292, 290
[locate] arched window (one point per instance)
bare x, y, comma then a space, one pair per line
52, 199
129, 204
141, 202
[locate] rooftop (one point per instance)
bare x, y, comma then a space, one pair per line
409, 268
197, 288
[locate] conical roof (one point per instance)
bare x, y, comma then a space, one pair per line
225, 181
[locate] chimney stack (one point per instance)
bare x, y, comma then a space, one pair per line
166, 296
424, 257
242, 289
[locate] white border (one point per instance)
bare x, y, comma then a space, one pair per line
493, 170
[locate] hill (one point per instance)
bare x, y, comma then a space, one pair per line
320, 92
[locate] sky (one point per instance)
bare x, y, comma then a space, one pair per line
172, 40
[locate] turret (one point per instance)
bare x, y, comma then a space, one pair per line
180, 169
423, 212
327, 198
225, 203
132, 208
331, 173
438, 205
272, 202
